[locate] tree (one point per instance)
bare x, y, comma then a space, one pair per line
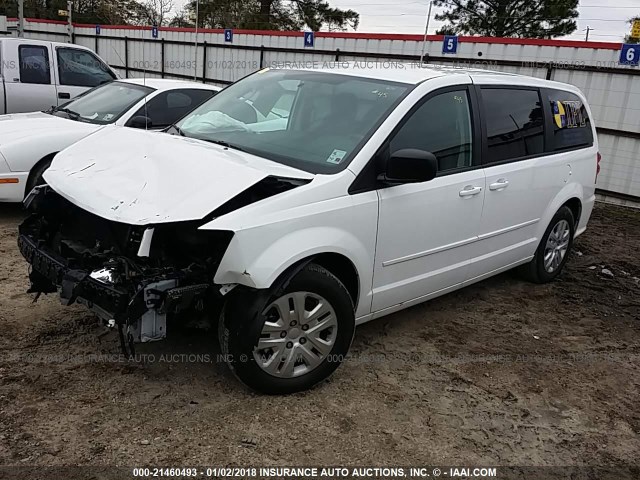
629, 38
109, 12
510, 18
446, 30
153, 12
270, 15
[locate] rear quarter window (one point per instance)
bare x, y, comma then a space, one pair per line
571, 123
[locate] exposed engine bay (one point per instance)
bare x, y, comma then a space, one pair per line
133, 277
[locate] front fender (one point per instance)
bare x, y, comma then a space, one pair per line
257, 256
23, 155
272, 262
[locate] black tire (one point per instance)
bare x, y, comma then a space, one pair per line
35, 177
535, 270
243, 318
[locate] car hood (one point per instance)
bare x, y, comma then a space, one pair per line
143, 178
18, 126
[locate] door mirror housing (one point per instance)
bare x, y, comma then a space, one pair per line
410, 166
140, 121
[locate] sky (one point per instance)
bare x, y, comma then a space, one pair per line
607, 18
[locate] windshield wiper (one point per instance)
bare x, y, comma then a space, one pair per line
176, 128
224, 144
73, 115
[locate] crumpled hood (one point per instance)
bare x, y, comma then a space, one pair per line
18, 126
141, 178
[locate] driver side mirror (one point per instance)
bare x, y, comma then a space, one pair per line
410, 166
140, 121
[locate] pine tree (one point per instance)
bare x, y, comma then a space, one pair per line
510, 18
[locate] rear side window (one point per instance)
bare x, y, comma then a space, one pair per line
515, 123
34, 64
571, 123
168, 107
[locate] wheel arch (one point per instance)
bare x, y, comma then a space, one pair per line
336, 263
575, 205
247, 262
34, 169
570, 196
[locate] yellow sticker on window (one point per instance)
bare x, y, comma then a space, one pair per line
568, 114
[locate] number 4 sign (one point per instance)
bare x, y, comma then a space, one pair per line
309, 39
450, 44
630, 54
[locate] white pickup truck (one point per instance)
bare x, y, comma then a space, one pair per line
37, 75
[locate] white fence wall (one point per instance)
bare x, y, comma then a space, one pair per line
613, 90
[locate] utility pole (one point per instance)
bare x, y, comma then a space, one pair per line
20, 18
426, 31
195, 46
69, 21
588, 29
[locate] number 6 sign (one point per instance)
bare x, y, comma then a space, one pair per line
450, 44
630, 54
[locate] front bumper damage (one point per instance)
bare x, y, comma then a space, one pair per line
134, 278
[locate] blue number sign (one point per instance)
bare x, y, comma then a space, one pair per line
309, 39
154, 31
97, 29
228, 35
450, 44
630, 54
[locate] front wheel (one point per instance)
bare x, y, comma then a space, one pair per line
35, 178
289, 340
553, 251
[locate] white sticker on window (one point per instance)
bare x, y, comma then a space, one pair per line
336, 156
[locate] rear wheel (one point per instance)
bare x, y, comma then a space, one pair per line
295, 338
553, 251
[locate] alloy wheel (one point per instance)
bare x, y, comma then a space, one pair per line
557, 246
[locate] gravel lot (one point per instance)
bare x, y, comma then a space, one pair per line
501, 373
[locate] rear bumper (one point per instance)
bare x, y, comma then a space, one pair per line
50, 274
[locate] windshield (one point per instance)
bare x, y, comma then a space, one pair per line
314, 121
103, 104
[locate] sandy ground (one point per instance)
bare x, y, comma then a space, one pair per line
501, 373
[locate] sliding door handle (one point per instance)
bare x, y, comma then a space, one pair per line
499, 185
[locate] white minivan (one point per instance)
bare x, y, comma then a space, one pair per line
297, 204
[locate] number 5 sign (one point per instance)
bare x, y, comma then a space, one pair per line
630, 54
450, 44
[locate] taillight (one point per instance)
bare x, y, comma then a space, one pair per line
598, 158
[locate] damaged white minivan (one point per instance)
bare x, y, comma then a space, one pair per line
297, 204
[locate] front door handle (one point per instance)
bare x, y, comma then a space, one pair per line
470, 191
499, 185
64, 95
